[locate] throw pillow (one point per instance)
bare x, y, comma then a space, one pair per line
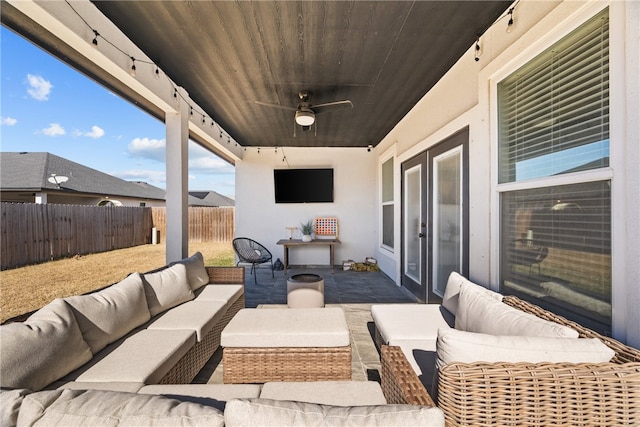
478, 312
111, 313
167, 288
196, 272
42, 349
450, 300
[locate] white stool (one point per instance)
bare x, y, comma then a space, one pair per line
305, 291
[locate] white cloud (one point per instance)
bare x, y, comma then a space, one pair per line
8, 121
95, 132
54, 129
148, 148
39, 88
210, 164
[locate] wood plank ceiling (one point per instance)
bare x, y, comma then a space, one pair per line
382, 55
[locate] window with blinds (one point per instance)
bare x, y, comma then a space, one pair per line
555, 237
554, 111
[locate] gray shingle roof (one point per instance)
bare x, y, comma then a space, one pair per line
213, 198
31, 171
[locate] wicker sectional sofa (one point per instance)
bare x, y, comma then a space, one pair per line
479, 379
158, 327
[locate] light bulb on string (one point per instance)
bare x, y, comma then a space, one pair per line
510, 23
94, 42
157, 73
477, 50
132, 71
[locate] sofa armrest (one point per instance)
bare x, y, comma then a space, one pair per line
400, 384
480, 394
225, 275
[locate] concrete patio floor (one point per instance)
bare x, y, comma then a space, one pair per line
354, 291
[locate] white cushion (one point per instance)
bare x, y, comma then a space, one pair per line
410, 321
145, 357
167, 288
108, 408
267, 412
452, 292
197, 316
469, 347
337, 393
479, 313
283, 327
44, 348
196, 272
227, 293
111, 313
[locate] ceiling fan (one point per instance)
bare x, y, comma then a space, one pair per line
305, 112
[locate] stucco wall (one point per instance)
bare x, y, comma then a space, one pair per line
260, 218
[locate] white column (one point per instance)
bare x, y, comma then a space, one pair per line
41, 198
177, 238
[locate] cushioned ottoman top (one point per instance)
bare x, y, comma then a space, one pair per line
283, 327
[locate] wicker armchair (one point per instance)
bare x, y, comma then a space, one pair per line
251, 252
526, 394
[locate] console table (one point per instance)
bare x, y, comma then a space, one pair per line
287, 243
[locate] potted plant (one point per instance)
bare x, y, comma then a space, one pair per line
307, 229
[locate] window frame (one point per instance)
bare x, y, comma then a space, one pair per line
542, 44
389, 155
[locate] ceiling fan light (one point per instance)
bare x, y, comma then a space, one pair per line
305, 118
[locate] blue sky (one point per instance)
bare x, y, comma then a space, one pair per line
48, 106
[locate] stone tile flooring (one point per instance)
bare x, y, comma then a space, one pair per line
354, 291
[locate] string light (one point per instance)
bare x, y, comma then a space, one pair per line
478, 51
133, 72
95, 39
510, 23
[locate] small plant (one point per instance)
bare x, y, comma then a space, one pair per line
306, 228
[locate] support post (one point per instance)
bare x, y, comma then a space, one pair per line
177, 234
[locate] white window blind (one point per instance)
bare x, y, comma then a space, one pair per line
554, 111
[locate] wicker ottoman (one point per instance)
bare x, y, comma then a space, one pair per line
262, 345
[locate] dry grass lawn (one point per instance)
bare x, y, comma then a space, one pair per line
28, 288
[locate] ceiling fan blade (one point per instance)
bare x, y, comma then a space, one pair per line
282, 107
329, 106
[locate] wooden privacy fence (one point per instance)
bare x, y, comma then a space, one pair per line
34, 233
206, 224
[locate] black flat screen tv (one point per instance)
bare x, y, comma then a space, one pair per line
303, 185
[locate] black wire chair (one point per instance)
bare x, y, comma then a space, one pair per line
251, 252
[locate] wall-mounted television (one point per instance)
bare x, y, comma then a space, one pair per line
303, 185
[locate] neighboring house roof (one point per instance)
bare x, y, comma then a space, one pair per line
31, 172
212, 197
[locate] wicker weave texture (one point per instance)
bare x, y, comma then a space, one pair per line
226, 275
624, 353
524, 394
400, 384
191, 363
243, 365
